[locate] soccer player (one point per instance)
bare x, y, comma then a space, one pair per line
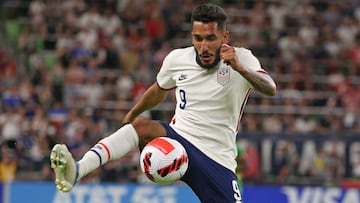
212, 80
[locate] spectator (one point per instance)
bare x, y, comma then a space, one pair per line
285, 160
277, 13
124, 85
37, 11
8, 67
92, 91
252, 163
308, 34
289, 45
354, 56
8, 165
111, 22
155, 26
91, 18
355, 164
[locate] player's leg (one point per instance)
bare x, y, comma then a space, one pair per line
210, 181
114, 146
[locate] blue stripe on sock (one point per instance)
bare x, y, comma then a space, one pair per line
97, 153
77, 172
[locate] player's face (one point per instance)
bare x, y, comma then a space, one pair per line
207, 39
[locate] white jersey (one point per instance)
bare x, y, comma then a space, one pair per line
209, 102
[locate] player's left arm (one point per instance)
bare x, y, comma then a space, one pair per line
260, 80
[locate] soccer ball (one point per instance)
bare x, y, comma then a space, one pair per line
164, 160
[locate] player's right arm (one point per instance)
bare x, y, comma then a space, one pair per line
152, 97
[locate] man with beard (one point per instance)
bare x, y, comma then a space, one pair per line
212, 81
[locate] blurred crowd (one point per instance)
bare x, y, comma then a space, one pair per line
78, 65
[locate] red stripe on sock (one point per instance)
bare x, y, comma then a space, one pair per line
262, 71
106, 148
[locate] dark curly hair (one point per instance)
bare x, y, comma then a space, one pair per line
209, 12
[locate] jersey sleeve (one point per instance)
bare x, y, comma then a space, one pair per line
248, 60
164, 77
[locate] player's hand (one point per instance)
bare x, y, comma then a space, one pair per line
228, 54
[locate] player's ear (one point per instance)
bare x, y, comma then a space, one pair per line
226, 37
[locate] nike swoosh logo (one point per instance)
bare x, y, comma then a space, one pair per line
182, 77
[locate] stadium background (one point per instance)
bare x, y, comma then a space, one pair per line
70, 70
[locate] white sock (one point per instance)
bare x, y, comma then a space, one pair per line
109, 148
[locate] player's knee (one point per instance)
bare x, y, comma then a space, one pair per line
147, 130
144, 130
142, 126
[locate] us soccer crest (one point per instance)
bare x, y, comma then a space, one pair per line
223, 75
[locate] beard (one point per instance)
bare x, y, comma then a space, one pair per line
210, 65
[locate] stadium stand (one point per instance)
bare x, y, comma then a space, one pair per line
69, 71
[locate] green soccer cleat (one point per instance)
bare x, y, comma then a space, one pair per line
65, 167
